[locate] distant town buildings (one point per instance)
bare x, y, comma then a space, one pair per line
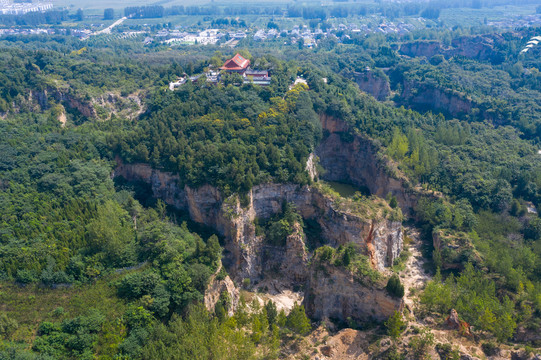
205, 37
8, 7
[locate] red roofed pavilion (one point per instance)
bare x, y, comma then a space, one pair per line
236, 64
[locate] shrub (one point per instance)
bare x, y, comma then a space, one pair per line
137, 317
490, 349
447, 352
394, 286
420, 344
8, 326
324, 253
25, 276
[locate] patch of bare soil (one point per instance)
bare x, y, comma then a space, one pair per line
62, 118
413, 277
278, 292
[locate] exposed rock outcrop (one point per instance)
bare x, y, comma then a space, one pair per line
356, 162
380, 238
215, 289
297, 256
374, 84
248, 256
62, 95
481, 47
525, 355
311, 166
427, 48
425, 96
453, 322
454, 249
525, 335
333, 293
101, 106
332, 124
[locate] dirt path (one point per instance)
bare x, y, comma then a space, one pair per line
414, 276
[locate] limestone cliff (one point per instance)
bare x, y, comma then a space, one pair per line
65, 96
425, 48
481, 47
371, 225
356, 161
103, 106
334, 293
453, 249
216, 287
296, 266
427, 96
374, 84
380, 238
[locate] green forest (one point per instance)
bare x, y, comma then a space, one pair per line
93, 266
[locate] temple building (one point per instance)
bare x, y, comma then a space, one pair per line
236, 64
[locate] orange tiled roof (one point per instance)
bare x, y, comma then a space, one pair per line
236, 63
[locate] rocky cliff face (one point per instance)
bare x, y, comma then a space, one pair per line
421, 48
476, 47
373, 84
454, 249
332, 124
296, 253
332, 293
215, 289
427, 96
380, 238
482, 47
356, 162
248, 255
108, 103
85, 107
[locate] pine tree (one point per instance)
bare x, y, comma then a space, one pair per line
297, 320
395, 325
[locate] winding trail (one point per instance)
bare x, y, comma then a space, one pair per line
414, 276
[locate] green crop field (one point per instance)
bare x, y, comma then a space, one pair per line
102, 4
475, 17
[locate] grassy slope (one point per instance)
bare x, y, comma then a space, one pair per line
33, 304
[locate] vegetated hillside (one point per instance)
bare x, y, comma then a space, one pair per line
228, 137
93, 267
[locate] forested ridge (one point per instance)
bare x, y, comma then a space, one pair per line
67, 227
231, 138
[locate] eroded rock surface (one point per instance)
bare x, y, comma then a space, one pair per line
334, 294
374, 84
355, 161
249, 256
215, 289
381, 239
